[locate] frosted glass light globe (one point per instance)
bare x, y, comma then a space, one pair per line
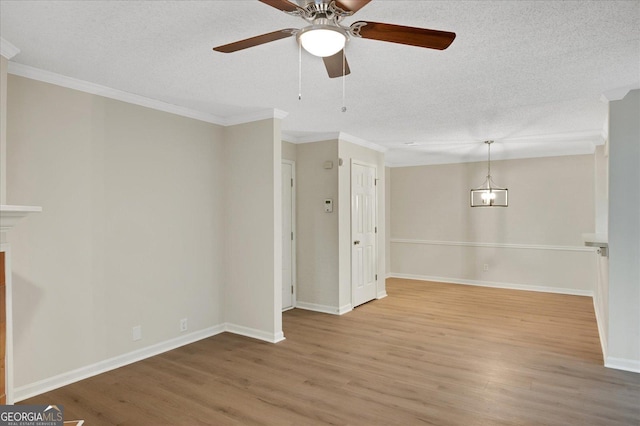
322, 41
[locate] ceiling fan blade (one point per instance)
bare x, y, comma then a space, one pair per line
284, 5
421, 37
333, 64
351, 5
255, 41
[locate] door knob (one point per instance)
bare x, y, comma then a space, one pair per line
356, 242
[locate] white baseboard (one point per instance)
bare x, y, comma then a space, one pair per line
632, 365
381, 295
510, 286
610, 362
325, 309
51, 383
254, 333
345, 308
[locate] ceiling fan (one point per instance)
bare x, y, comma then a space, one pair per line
326, 37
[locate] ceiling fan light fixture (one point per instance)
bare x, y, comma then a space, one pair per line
322, 40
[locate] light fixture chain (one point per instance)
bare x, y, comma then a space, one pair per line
489, 195
489, 161
344, 106
299, 71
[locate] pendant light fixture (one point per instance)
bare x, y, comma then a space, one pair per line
489, 194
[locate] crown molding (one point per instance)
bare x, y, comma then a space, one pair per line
617, 93
582, 148
329, 136
358, 141
255, 116
108, 92
280, 114
557, 145
7, 49
310, 138
596, 137
120, 95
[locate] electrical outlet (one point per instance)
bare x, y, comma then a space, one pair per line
183, 324
136, 333
486, 267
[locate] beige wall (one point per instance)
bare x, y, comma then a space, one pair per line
324, 239
432, 202
148, 218
289, 151
317, 241
131, 232
534, 243
387, 221
253, 245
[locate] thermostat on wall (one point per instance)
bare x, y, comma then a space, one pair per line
328, 205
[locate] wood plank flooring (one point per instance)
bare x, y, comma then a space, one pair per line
428, 354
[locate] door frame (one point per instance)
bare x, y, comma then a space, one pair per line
376, 224
295, 235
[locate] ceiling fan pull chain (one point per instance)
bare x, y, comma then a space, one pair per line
489, 160
344, 106
299, 71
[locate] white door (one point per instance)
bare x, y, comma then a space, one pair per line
287, 235
363, 233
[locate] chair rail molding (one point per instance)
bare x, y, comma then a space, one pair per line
491, 245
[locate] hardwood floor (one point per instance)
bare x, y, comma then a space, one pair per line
429, 353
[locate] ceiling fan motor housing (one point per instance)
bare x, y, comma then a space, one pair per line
314, 12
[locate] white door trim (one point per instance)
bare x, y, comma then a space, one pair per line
295, 234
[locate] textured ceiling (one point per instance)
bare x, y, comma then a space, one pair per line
529, 74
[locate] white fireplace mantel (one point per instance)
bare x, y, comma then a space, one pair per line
10, 215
